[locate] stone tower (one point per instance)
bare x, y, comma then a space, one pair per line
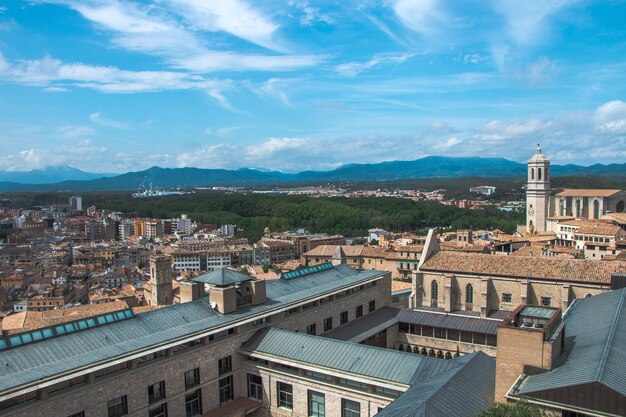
161, 281
538, 192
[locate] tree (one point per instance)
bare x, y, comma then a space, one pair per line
517, 409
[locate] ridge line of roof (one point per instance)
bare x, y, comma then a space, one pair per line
609, 342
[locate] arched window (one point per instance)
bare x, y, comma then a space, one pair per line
469, 294
423, 352
532, 173
434, 293
562, 207
448, 355
578, 208
596, 209
539, 174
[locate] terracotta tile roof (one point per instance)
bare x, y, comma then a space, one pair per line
38, 319
525, 266
376, 251
329, 250
584, 192
604, 229
618, 217
400, 285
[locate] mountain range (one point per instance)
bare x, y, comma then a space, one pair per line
71, 179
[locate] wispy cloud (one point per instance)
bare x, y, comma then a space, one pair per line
74, 131
235, 17
352, 69
528, 22
50, 72
423, 16
311, 15
98, 119
156, 30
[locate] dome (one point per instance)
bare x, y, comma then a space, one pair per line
538, 156
266, 231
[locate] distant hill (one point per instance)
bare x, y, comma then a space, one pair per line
429, 167
49, 175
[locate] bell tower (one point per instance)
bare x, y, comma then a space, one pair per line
538, 192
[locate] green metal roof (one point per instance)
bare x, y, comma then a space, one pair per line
354, 358
538, 311
462, 391
595, 330
437, 387
43, 359
222, 277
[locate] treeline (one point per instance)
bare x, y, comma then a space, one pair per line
346, 216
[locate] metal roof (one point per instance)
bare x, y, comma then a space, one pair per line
222, 276
594, 351
46, 358
366, 326
353, 358
449, 321
462, 391
539, 312
438, 387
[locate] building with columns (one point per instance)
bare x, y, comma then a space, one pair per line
543, 203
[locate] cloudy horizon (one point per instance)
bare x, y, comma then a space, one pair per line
121, 85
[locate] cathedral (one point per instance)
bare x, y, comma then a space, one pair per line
543, 203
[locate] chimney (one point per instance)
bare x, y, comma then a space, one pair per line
190, 291
225, 298
258, 292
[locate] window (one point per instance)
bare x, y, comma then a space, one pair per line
117, 406
546, 301
156, 392
192, 378
310, 329
255, 387
317, 407
434, 293
285, 395
225, 365
343, 317
226, 389
359, 311
469, 294
352, 384
372, 306
328, 324
260, 321
160, 411
350, 408
193, 403
507, 298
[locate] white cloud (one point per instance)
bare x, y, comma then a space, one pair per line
352, 69
422, 16
3, 9
235, 17
611, 117
448, 144
311, 15
154, 30
275, 87
74, 131
474, 58
50, 72
98, 119
54, 90
82, 153
543, 70
527, 22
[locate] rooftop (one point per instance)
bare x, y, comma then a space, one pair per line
437, 387
222, 276
594, 347
585, 192
83, 349
525, 266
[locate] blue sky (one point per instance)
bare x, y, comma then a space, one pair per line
113, 86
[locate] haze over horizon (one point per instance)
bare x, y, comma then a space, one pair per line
116, 86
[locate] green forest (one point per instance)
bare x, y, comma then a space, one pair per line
346, 216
